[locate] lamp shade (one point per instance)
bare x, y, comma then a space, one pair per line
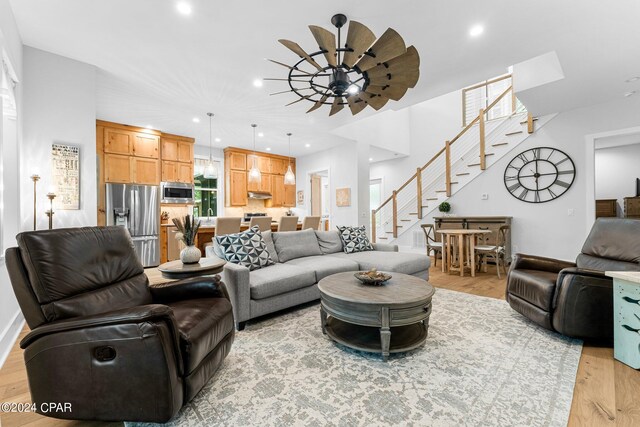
254, 173
210, 171
289, 177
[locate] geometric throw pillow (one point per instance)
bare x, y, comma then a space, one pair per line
354, 239
246, 248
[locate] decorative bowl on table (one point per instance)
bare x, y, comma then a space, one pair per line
372, 277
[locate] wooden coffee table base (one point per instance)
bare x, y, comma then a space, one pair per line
372, 339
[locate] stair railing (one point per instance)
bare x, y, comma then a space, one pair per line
446, 150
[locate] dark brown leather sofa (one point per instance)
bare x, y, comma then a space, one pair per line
104, 341
576, 299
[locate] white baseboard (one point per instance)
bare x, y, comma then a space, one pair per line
9, 335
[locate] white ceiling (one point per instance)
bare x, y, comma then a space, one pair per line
161, 68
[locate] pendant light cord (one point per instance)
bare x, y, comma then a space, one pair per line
210, 137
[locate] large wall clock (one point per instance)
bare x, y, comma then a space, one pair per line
539, 175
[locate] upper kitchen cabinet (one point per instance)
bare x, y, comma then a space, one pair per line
146, 146
177, 158
118, 141
272, 168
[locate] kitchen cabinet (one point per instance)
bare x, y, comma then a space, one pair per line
185, 172
117, 168
272, 168
177, 159
118, 141
237, 161
146, 146
170, 149
145, 171
185, 152
264, 185
169, 171
237, 188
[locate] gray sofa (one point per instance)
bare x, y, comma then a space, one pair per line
302, 259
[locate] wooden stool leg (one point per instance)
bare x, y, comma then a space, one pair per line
472, 255
461, 254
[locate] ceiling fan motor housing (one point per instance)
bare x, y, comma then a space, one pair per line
339, 81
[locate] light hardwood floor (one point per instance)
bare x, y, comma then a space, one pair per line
607, 392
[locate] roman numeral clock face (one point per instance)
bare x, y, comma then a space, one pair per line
539, 175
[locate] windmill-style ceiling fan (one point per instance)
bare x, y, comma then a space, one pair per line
366, 71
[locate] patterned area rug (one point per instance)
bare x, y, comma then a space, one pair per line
482, 365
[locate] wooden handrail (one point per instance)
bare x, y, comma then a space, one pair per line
446, 149
373, 225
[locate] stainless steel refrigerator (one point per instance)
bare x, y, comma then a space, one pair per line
137, 208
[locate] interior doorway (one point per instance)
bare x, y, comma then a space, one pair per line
617, 176
320, 196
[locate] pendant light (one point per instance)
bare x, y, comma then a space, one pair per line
254, 172
210, 171
289, 176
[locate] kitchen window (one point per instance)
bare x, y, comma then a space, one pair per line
205, 190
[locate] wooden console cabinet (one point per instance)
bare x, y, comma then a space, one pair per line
492, 223
632, 207
606, 208
238, 162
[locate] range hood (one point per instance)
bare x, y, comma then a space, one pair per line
259, 195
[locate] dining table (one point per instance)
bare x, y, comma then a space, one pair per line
464, 240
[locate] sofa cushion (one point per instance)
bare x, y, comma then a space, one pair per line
295, 244
325, 266
399, 262
278, 279
354, 239
247, 248
329, 241
202, 324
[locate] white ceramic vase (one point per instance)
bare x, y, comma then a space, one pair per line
190, 255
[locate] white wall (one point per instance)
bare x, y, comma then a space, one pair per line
431, 123
343, 163
59, 107
10, 317
617, 169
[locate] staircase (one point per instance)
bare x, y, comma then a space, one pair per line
479, 145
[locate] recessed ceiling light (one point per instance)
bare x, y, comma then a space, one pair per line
353, 89
149, 126
257, 83
268, 148
196, 120
476, 30
184, 8
260, 134
628, 94
307, 145
217, 140
632, 79
371, 159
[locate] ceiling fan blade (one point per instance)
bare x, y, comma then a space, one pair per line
359, 38
284, 80
299, 99
337, 105
289, 91
388, 46
319, 103
327, 42
356, 104
376, 101
407, 78
289, 67
408, 63
391, 92
295, 48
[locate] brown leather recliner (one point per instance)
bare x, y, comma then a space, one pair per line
576, 299
103, 340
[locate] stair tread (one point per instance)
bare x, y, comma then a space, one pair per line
499, 144
383, 238
441, 191
406, 220
523, 122
474, 164
513, 133
413, 213
432, 198
461, 174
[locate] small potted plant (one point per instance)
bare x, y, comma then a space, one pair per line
164, 217
187, 232
445, 208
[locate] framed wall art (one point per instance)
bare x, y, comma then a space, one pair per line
343, 197
65, 175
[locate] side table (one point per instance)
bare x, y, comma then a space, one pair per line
626, 317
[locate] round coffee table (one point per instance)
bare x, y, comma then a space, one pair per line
383, 319
178, 270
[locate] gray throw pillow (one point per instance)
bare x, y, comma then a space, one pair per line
296, 244
354, 239
329, 241
270, 246
245, 248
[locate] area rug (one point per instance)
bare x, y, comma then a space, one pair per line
482, 365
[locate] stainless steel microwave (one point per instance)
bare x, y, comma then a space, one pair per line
176, 192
